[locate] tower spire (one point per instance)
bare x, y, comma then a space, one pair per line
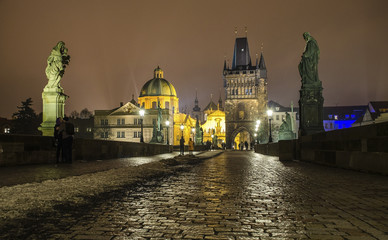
220, 102
196, 107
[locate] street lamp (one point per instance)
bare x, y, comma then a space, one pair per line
182, 127
167, 124
269, 113
141, 112
193, 131
257, 130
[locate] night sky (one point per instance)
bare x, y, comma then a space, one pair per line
116, 45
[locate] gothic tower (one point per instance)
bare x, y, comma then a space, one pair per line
245, 96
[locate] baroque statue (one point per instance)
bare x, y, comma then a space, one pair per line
56, 64
308, 66
53, 95
311, 99
286, 125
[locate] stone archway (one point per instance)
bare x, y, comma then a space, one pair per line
241, 135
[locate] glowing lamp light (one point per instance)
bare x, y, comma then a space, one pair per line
167, 123
269, 112
258, 122
182, 127
141, 112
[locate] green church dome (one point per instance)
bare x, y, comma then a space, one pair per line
158, 86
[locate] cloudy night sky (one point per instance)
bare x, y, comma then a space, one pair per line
116, 45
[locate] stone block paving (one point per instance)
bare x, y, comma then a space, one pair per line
237, 195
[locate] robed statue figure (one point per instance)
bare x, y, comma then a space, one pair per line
308, 66
56, 64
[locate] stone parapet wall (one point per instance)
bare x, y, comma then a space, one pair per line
362, 148
23, 149
271, 149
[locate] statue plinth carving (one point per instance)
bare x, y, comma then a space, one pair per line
311, 99
53, 95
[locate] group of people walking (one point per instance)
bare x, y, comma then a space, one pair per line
63, 135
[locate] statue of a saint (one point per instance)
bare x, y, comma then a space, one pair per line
286, 125
56, 64
308, 66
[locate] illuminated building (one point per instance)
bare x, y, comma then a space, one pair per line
124, 123
214, 126
245, 95
159, 89
186, 122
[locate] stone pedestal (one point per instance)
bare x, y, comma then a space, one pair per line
53, 107
287, 135
311, 109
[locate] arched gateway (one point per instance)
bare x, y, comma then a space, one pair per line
241, 137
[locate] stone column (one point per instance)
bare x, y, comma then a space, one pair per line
311, 109
53, 107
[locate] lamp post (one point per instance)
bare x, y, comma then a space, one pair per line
269, 113
182, 127
257, 131
141, 112
167, 124
193, 131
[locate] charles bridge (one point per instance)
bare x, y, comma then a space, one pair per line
212, 195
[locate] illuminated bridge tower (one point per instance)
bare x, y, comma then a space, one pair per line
245, 96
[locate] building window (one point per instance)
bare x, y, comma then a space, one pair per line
353, 116
89, 129
139, 134
330, 116
118, 121
347, 116
106, 134
122, 134
7, 130
102, 122
277, 117
336, 117
106, 121
118, 134
167, 105
134, 134
102, 135
122, 121
154, 105
76, 129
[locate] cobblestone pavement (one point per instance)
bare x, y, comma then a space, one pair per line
42, 172
237, 195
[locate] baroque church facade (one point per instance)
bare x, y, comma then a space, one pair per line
246, 97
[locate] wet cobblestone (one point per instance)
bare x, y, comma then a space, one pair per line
237, 195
